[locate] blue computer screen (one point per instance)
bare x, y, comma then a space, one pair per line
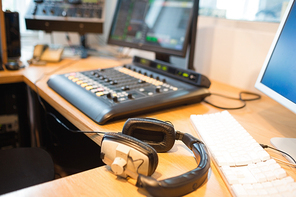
280, 74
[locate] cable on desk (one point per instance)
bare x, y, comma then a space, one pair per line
243, 100
266, 146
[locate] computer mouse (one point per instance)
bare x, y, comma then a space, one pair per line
12, 66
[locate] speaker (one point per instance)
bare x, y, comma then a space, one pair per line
133, 153
13, 38
3, 56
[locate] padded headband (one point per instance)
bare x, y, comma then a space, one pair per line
158, 134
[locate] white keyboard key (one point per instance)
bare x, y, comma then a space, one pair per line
246, 166
239, 190
280, 173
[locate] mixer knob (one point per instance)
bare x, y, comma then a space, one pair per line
64, 13
141, 81
124, 88
157, 78
164, 80
151, 76
115, 98
109, 95
139, 72
145, 73
107, 80
157, 89
113, 82
130, 96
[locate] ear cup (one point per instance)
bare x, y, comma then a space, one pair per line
137, 145
158, 134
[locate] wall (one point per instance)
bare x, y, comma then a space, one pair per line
231, 51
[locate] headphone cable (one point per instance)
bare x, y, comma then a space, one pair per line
240, 98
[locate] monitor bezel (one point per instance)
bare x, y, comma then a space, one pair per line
259, 85
146, 47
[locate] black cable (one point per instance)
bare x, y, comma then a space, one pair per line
266, 146
51, 114
257, 97
67, 128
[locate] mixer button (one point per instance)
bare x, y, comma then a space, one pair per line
94, 90
83, 85
79, 82
99, 94
100, 89
107, 80
88, 87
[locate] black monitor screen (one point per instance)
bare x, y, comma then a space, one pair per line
161, 26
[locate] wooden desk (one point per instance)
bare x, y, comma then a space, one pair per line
263, 119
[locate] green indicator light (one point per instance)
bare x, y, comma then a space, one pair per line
143, 61
164, 68
158, 66
185, 75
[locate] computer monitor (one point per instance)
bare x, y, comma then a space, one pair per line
166, 27
278, 74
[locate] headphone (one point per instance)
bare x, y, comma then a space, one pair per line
133, 153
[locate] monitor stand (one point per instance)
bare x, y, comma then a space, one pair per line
81, 50
287, 145
163, 57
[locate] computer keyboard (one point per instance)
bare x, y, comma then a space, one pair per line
246, 168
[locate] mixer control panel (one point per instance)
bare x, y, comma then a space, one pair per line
124, 91
76, 15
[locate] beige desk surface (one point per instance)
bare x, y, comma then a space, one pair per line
263, 119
